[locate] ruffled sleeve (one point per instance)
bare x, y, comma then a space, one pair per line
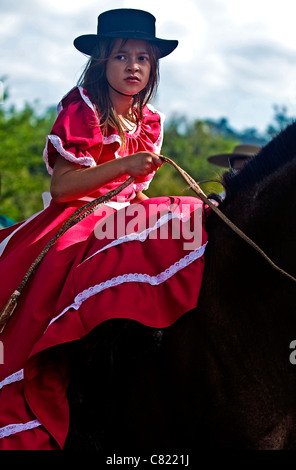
153, 127
75, 135
150, 139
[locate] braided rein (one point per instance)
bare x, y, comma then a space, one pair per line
91, 206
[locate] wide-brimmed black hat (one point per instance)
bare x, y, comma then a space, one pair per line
243, 152
125, 23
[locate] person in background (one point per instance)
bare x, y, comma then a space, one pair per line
240, 155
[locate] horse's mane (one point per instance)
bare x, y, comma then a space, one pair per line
279, 151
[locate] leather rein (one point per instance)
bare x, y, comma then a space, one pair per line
196, 188
93, 205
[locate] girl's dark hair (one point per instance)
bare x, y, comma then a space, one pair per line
94, 81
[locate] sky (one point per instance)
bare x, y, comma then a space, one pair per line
236, 59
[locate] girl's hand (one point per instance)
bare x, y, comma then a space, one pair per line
70, 181
141, 163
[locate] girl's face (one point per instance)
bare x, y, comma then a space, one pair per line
128, 67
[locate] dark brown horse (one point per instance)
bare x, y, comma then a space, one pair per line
221, 376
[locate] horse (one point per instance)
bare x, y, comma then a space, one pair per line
221, 377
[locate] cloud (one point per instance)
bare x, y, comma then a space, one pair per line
234, 59
241, 67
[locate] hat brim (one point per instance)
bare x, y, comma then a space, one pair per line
223, 159
87, 42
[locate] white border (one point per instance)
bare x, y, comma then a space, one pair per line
16, 377
133, 277
19, 427
138, 236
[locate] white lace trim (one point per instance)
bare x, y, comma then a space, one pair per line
137, 236
60, 104
111, 139
87, 100
142, 186
158, 143
20, 427
57, 143
83, 96
59, 107
46, 199
88, 161
133, 277
153, 110
16, 377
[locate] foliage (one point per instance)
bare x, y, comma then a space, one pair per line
189, 144
24, 177
23, 173
281, 120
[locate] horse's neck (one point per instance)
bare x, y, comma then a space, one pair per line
247, 324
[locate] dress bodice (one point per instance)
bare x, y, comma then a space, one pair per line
76, 135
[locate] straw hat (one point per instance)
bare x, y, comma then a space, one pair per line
240, 153
125, 23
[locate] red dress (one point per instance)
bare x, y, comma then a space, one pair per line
143, 262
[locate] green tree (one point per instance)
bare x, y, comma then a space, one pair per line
22, 170
280, 121
189, 144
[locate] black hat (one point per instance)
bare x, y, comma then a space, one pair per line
125, 23
243, 152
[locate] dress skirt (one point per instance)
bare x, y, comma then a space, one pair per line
143, 262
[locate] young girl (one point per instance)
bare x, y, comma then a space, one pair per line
105, 132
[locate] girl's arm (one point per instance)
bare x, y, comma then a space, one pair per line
139, 197
70, 181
